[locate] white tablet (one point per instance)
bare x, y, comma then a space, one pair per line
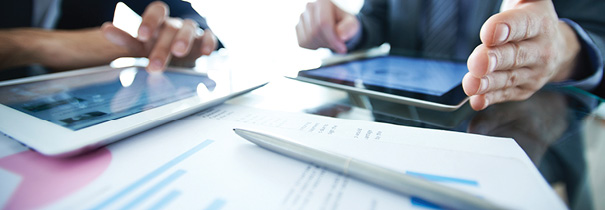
68, 113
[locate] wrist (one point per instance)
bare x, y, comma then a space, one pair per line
570, 53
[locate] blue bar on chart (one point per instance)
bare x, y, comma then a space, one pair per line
152, 175
437, 178
165, 200
416, 201
153, 190
217, 204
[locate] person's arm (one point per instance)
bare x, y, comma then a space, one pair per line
586, 18
58, 50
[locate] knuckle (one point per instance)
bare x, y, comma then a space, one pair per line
190, 23
506, 95
529, 29
519, 55
511, 79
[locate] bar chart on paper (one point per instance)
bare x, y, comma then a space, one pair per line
155, 190
439, 179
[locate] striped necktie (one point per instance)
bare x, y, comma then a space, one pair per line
441, 28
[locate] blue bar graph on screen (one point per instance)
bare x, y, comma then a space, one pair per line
437, 178
152, 175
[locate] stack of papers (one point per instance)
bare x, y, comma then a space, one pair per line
199, 162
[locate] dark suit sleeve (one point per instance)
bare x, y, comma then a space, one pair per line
374, 23
588, 14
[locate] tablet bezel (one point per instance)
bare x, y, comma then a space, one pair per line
449, 101
55, 140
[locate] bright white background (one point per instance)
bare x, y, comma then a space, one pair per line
260, 35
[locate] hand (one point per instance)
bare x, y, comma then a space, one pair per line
323, 24
523, 47
161, 37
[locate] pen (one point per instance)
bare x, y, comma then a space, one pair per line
389, 179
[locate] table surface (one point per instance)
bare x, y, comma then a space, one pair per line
562, 130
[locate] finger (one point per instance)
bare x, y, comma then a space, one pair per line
300, 34
479, 63
470, 84
303, 32
510, 26
312, 35
181, 45
480, 102
347, 28
160, 54
514, 55
154, 16
209, 42
326, 23
502, 80
122, 38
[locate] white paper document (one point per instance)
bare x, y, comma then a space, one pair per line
200, 163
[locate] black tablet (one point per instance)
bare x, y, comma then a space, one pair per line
433, 84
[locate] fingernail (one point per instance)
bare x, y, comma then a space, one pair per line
143, 33
180, 48
501, 33
483, 85
155, 65
492, 62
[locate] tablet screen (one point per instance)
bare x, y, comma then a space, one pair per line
415, 75
81, 101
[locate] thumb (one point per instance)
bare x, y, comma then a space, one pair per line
347, 28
